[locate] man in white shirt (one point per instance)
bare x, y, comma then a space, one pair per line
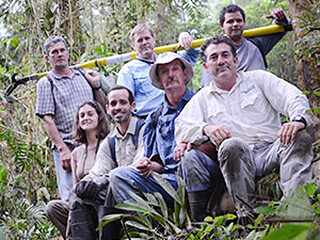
240, 114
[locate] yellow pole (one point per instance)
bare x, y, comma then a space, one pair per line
132, 55
171, 48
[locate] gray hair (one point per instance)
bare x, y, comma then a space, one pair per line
53, 40
215, 40
140, 28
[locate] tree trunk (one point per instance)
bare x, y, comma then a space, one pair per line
307, 58
304, 17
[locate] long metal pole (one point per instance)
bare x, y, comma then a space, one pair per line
132, 55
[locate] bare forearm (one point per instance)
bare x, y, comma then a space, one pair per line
157, 167
100, 97
53, 132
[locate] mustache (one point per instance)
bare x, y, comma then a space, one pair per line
119, 110
171, 79
224, 65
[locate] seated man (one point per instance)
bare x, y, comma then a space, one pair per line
135, 74
121, 147
239, 114
171, 73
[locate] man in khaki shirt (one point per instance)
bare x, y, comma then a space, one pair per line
240, 114
122, 146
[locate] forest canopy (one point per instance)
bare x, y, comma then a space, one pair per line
100, 28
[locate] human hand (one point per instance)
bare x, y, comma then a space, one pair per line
277, 14
144, 166
289, 131
88, 189
65, 157
180, 149
217, 134
185, 40
93, 78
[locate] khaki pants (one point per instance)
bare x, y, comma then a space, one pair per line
58, 212
241, 165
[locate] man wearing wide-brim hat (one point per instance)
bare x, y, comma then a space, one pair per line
171, 73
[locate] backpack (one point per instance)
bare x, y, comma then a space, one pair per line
135, 140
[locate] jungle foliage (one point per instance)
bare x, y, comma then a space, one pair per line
94, 29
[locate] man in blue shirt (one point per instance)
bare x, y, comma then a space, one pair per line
135, 74
170, 73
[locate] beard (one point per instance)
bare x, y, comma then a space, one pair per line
121, 119
236, 36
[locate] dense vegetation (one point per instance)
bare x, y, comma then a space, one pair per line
98, 29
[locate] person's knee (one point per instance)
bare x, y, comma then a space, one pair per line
119, 173
232, 144
190, 159
51, 208
232, 147
303, 139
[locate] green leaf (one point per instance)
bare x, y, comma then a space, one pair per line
139, 199
163, 205
14, 42
296, 207
151, 199
287, 232
265, 210
3, 175
138, 225
166, 186
310, 189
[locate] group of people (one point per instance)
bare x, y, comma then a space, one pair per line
220, 140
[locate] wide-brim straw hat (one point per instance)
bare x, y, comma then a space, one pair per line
167, 58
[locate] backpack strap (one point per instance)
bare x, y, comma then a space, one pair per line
112, 147
259, 46
135, 137
84, 76
54, 99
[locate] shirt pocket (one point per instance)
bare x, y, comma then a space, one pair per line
143, 85
217, 114
253, 106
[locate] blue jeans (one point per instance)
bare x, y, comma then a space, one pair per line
126, 179
64, 178
199, 171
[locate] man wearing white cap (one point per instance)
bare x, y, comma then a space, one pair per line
170, 73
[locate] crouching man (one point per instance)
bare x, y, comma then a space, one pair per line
240, 114
170, 73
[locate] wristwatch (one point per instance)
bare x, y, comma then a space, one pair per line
300, 119
96, 88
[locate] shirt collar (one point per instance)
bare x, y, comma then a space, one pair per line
147, 60
185, 98
131, 129
59, 77
214, 89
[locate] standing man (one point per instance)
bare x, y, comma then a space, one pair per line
170, 73
122, 147
58, 96
239, 114
135, 74
251, 51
